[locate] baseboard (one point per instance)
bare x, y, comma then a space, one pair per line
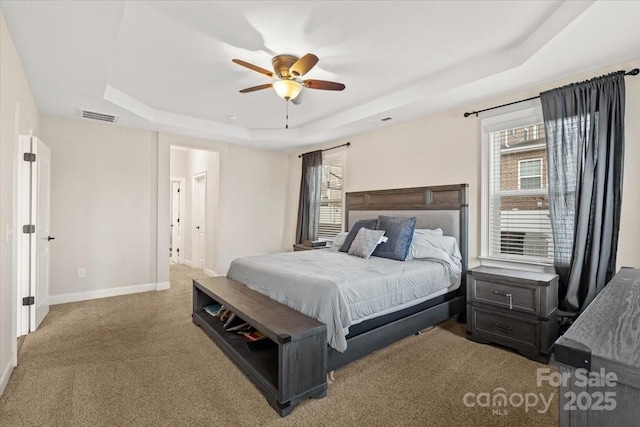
209, 272
163, 286
188, 263
6, 373
101, 293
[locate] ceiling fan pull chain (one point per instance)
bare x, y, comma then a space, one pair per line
286, 125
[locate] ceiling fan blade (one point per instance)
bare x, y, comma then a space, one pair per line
254, 88
323, 85
253, 67
303, 65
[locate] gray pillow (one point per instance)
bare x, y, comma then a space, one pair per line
366, 223
338, 241
365, 242
399, 230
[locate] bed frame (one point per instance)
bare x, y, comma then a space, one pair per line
445, 207
296, 367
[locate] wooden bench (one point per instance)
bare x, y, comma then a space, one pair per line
294, 369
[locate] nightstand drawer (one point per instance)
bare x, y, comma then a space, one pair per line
513, 308
497, 326
519, 297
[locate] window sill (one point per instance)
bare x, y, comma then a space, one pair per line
540, 267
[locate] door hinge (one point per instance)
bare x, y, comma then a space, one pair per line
178, 250
178, 190
29, 229
178, 220
28, 301
29, 157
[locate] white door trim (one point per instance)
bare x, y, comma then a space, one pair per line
22, 217
194, 218
22, 126
183, 215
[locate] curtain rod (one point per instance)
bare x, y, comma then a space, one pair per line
327, 149
633, 72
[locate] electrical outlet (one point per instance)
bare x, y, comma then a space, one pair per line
82, 273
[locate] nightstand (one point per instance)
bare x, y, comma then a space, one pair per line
301, 247
513, 308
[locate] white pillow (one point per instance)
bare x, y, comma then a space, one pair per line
338, 241
366, 242
431, 246
435, 231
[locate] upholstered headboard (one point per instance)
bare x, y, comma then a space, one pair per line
442, 206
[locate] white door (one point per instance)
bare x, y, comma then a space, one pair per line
37, 261
201, 213
176, 238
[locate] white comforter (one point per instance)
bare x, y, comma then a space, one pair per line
339, 289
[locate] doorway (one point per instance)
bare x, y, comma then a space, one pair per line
197, 172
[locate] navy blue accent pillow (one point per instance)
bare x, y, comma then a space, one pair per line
363, 223
399, 232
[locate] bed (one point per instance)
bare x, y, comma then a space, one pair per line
368, 304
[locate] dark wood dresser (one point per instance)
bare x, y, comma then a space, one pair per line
604, 342
513, 308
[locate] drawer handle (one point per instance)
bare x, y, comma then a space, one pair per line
508, 328
508, 296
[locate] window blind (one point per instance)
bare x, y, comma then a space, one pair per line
330, 223
519, 226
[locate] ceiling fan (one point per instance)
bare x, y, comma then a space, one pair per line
288, 70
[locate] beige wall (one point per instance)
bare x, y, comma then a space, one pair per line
629, 243
431, 151
253, 204
18, 115
110, 210
178, 163
102, 205
444, 148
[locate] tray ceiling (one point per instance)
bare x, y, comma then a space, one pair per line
167, 65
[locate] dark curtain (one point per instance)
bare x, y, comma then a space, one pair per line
584, 125
309, 204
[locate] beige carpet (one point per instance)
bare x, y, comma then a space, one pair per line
138, 360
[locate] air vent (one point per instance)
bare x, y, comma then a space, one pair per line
384, 119
98, 116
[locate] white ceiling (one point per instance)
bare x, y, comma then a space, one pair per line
166, 65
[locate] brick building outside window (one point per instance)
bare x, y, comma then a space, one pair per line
519, 224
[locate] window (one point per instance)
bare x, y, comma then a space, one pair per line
516, 224
529, 174
331, 196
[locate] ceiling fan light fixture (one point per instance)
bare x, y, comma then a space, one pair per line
287, 89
